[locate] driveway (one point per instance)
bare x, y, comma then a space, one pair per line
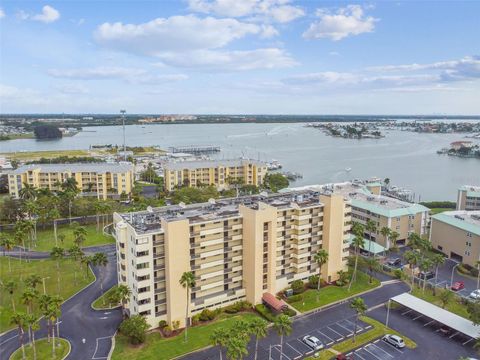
89, 331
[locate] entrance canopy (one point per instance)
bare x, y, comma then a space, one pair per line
273, 302
369, 246
438, 314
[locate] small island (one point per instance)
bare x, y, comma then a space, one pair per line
350, 131
465, 149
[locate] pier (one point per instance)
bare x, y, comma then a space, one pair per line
195, 149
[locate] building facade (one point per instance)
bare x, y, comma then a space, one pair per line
457, 235
237, 249
219, 173
102, 180
468, 198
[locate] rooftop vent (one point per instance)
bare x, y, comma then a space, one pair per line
182, 205
149, 209
476, 217
459, 217
211, 201
370, 198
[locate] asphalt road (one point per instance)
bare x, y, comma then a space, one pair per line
89, 331
327, 324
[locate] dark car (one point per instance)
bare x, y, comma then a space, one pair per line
445, 330
426, 275
394, 262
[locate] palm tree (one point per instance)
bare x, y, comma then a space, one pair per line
19, 319
76, 253
370, 227
259, 329
414, 240
57, 254
43, 303
446, 296
27, 192
358, 242
53, 313
27, 298
32, 209
56, 302
385, 231
10, 286
437, 260
236, 347
283, 326
425, 265
219, 338
394, 237
100, 259
87, 261
321, 258
412, 259
33, 326
124, 294
188, 282
373, 266
98, 210
8, 244
360, 307
80, 235
33, 280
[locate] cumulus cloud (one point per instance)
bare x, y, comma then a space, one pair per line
48, 15
348, 21
268, 58
72, 88
131, 75
2, 13
275, 10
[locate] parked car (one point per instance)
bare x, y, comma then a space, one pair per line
394, 340
313, 342
458, 285
426, 275
394, 262
445, 330
475, 295
343, 357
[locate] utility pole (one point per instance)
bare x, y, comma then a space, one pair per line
123, 124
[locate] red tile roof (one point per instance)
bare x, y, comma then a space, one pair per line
273, 302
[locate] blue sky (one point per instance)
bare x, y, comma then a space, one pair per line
240, 56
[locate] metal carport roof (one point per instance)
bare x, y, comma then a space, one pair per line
438, 314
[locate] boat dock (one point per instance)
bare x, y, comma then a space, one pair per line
195, 149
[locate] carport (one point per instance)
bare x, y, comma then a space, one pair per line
436, 313
369, 246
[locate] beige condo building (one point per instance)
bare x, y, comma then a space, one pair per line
102, 180
237, 249
468, 198
457, 235
213, 172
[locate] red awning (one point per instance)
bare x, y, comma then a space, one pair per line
273, 302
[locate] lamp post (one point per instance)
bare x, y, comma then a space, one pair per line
43, 281
123, 124
453, 271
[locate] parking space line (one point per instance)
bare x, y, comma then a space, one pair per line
391, 347
356, 354
418, 317
429, 323
466, 342
336, 332
375, 356
281, 352
328, 337
378, 347
451, 336
406, 312
294, 349
302, 344
349, 331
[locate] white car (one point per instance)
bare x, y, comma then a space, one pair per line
394, 340
475, 294
313, 342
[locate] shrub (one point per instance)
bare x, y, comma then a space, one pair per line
474, 271
463, 269
313, 282
176, 325
167, 330
289, 312
135, 329
265, 312
207, 315
195, 319
238, 306
162, 324
298, 286
398, 273
294, 298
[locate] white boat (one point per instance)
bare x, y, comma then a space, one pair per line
348, 169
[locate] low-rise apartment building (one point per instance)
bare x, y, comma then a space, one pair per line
368, 204
468, 198
457, 235
219, 173
101, 180
237, 249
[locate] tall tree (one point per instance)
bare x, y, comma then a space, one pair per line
124, 294
437, 260
360, 308
385, 231
187, 280
101, 260
8, 244
19, 319
79, 235
236, 347
283, 326
357, 243
394, 237
259, 328
28, 297
321, 258
33, 325
57, 254
33, 280
44, 301
219, 338
412, 258
10, 286
76, 254
27, 192
373, 265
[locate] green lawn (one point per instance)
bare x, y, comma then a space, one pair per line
102, 302
46, 239
455, 306
158, 348
69, 283
44, 350
378, 330
434, 211
332, 293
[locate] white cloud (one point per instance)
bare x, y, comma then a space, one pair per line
72, 88
275, 10
48, 15
269, 58
131, 75
348, 21
2, 13
176, 33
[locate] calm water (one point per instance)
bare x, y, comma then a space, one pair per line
407, 158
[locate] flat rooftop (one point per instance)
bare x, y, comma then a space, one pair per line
471, 190
100, 168
200, 164
361, 197
150, 220
466, 220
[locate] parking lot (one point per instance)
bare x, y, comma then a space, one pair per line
327, 334
380, 350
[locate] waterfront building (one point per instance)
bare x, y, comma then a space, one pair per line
238, 249
368, 203
468, 198
457, 235
102, 180
219, 173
